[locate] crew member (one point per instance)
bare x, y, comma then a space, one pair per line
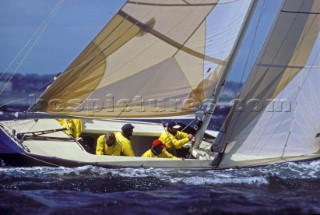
73, 126
107, 145
158, 150
175, 139
124, 139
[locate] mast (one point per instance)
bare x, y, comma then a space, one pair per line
205, 116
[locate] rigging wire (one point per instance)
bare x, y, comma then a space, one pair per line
299, 92
281, 121
295, 99
171, 58
28, 155
40, 30
92, 59
251, 50
254, 76
119, 37
27, 43
25, 147
252, 43
227, 2
23, 98
35, 122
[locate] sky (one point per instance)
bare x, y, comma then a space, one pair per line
45, 36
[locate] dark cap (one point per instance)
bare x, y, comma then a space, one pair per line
173, 124
126, 127
157, 143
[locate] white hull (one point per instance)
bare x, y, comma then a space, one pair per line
68, 152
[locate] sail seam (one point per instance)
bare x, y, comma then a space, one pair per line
280, 97
172, 5
170, 41
301, 12
149, 29
286, 66
39, 31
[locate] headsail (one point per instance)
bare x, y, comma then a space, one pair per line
276, 117
148, 61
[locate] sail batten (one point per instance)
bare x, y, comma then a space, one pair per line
270, 119
170, 4
288, 66
302, 12
149, 29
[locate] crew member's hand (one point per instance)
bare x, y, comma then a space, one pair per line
190, 136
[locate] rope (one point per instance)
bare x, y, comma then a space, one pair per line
41, 30
34, 92
110, 44
251, 50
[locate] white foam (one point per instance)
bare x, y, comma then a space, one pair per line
236, 176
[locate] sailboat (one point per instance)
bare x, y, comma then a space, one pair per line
163, 59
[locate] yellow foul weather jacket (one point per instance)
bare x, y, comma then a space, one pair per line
68, 124
103, 149
164, 154
176, 141
77, 127
125, 144
73, 126
122, 146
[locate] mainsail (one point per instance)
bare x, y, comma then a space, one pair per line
276, 117
150, 60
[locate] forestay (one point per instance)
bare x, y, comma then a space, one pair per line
150, 60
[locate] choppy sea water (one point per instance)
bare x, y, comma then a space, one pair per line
291, 188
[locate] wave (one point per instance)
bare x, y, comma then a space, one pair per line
291, 188
146, 179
